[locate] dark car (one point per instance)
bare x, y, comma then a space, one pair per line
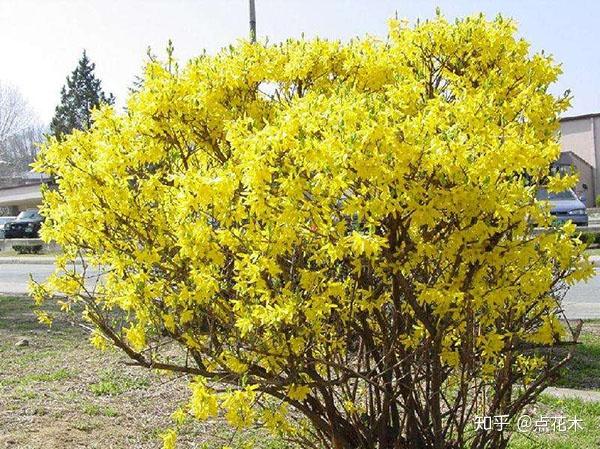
26, 225
3, 221
565, 206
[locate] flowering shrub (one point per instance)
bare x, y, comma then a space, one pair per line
336, 235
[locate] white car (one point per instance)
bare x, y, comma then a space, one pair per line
565, 206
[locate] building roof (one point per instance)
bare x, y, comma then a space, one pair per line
568, 157
22, 184
580, 117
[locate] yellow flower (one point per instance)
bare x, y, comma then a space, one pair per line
298, 392
203, 403
136, 336
169, 439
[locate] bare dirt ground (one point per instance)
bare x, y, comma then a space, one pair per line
60, 392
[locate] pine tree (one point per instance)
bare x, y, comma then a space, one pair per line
81, 94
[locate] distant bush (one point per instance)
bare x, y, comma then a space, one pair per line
590, 238
598, 201
28, 249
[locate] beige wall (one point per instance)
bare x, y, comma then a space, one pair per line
596, 164
578, 136
17, 199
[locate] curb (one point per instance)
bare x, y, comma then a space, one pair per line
29, 261
26, 261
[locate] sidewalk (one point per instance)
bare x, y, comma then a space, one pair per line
571, 393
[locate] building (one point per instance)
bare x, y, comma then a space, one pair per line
20, 193
580, 145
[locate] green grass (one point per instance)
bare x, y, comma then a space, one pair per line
53, 376
112, 384
588, 437
593, 252
97, 410
583, 372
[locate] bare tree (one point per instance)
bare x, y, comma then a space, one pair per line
19, 150
15, 113
20, 132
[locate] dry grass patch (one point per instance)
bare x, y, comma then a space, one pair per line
59, 392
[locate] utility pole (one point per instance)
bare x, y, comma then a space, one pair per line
252, 22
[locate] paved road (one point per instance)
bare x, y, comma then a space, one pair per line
582, 301
14, 278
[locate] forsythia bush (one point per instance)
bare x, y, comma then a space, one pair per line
336, 236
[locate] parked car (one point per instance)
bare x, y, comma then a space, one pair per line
565, 206
26, 225
3, 221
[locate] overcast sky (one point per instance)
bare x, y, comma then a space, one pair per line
42, 40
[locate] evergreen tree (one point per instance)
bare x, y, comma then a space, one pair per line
81, 94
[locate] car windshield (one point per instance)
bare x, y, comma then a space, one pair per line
543, 194
27, 215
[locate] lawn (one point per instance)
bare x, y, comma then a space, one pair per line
59, 392
583, 372
587, 437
